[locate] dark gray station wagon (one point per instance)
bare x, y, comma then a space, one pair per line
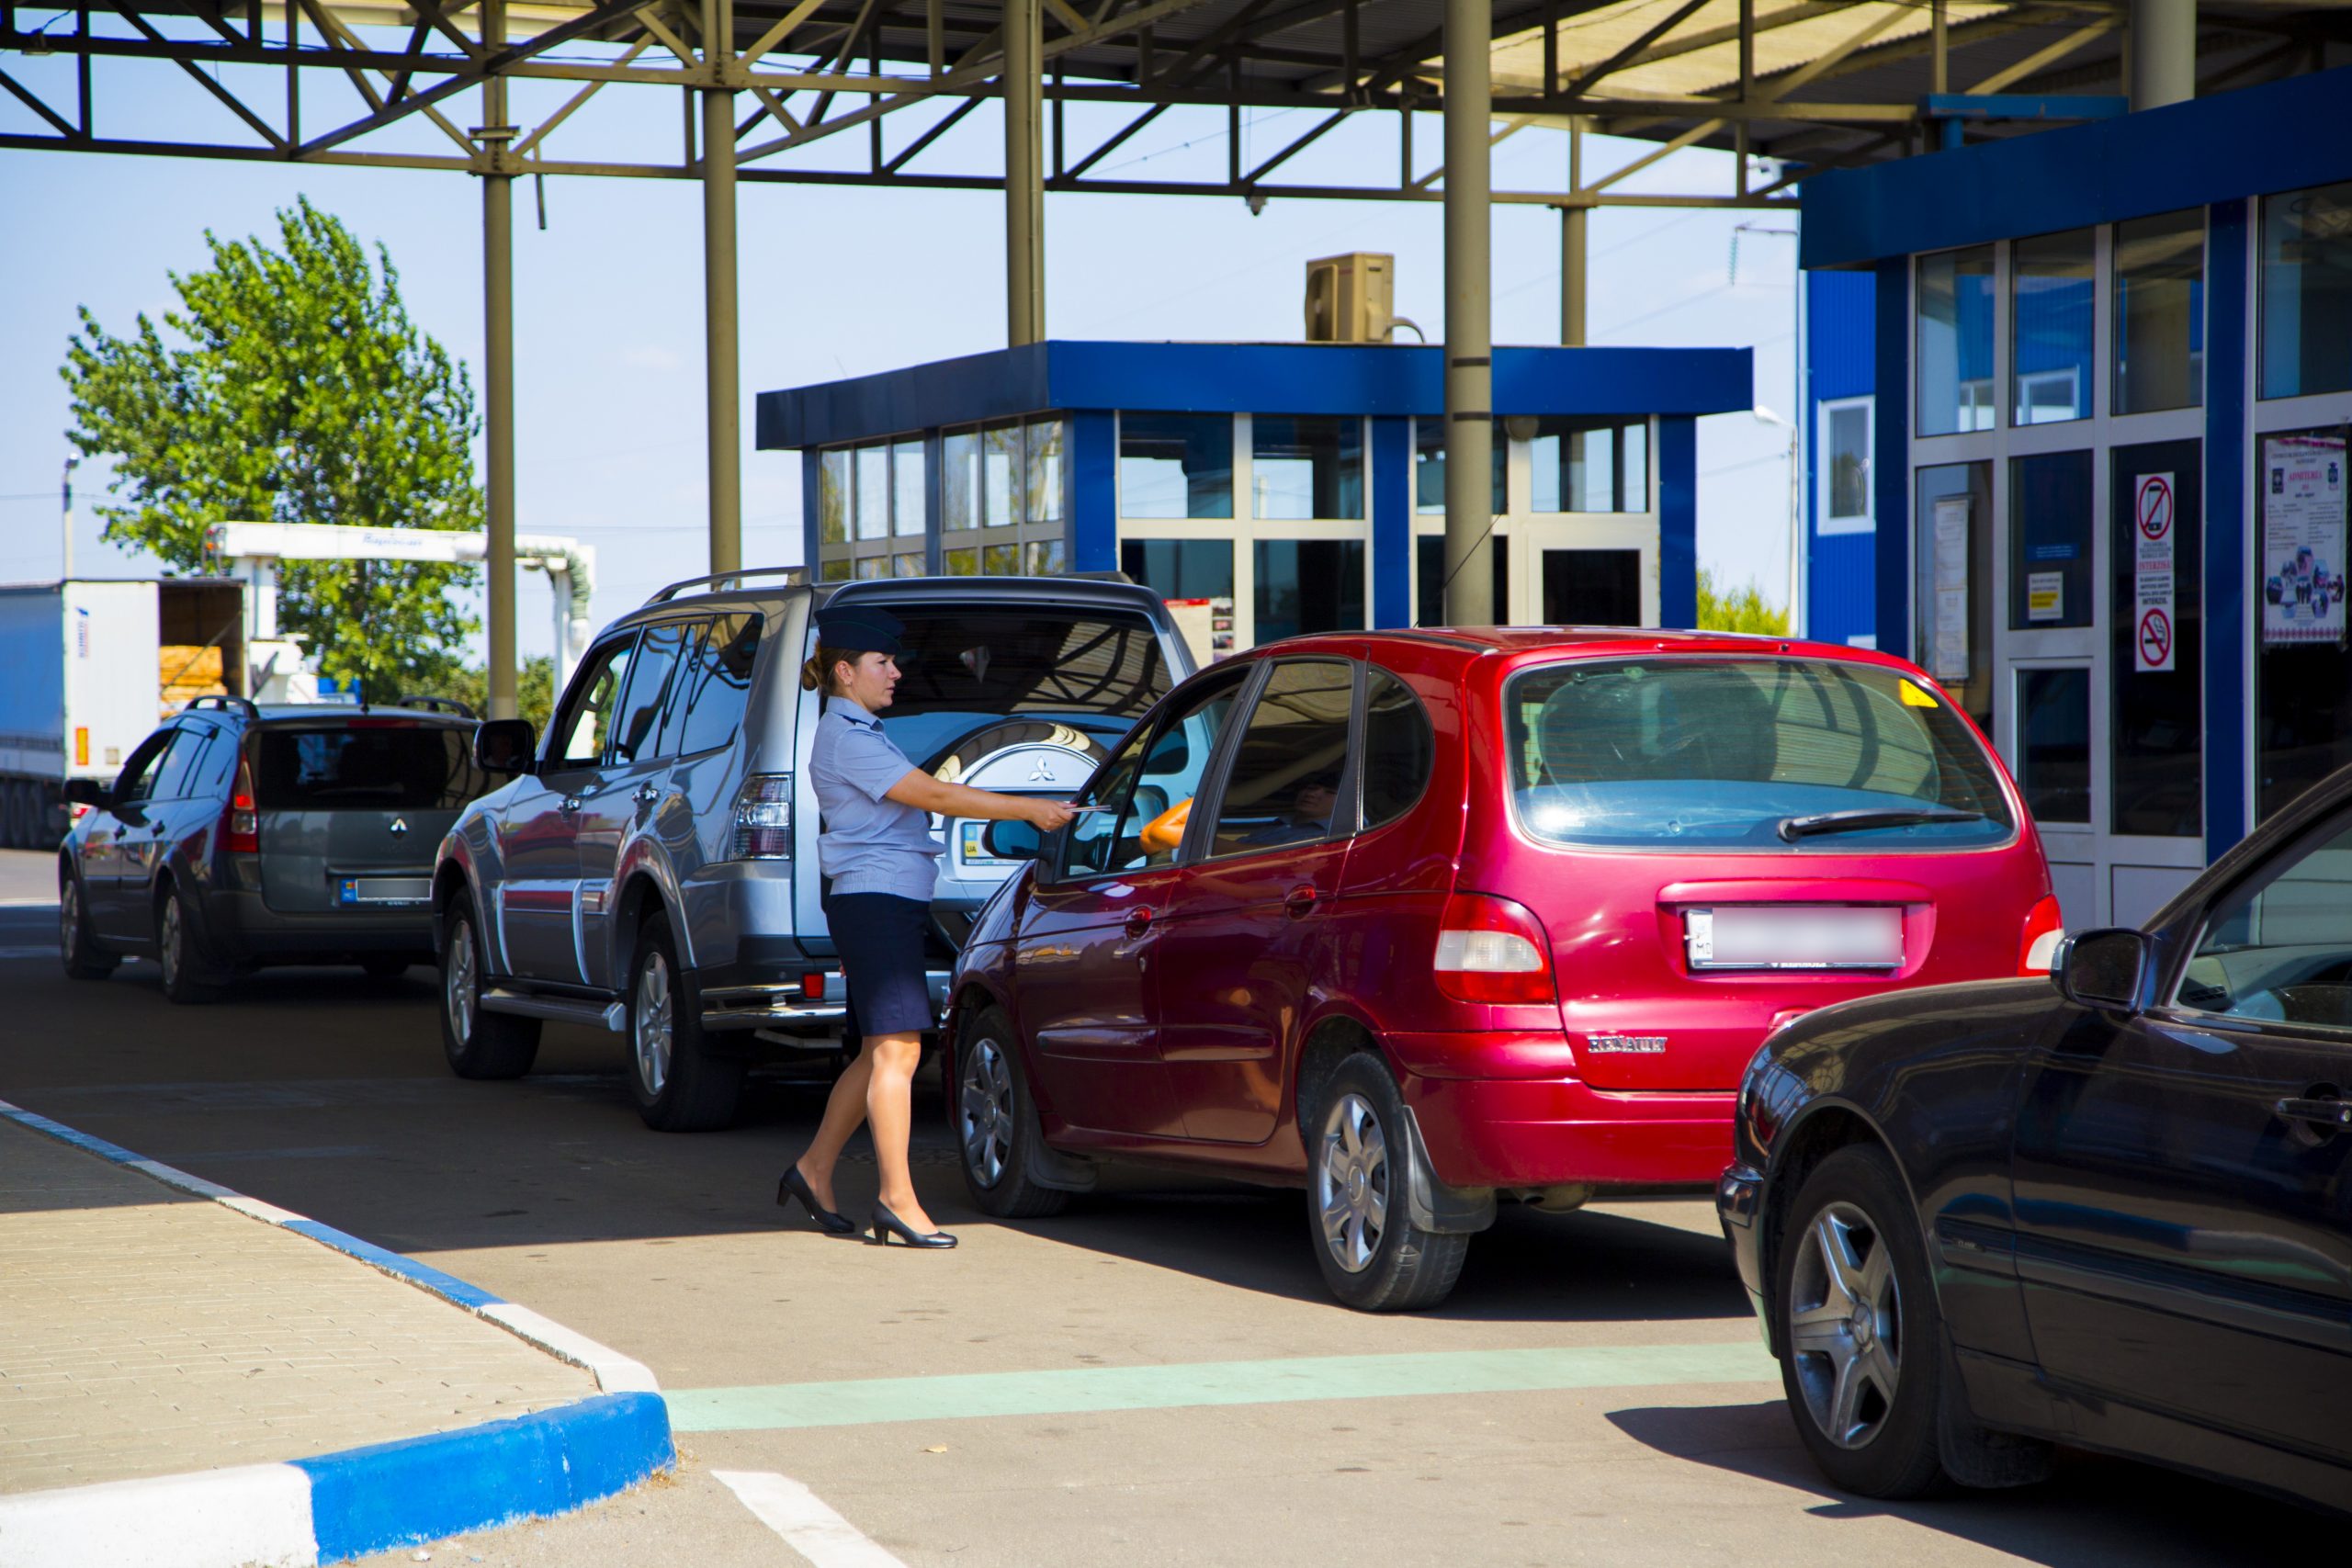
237, 836
650, 869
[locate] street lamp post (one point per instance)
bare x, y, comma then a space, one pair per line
1796, 513
67, 487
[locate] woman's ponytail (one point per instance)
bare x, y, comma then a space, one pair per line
817, 675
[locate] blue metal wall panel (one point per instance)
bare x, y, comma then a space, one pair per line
1891, 478
1840, 348
1300, 379
1677, 522
1392, 522
2280, 136
1840, 352
1093, 491
2228, 559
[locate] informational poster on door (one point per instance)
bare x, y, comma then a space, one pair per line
1948, 651
2302, 538
2153, 508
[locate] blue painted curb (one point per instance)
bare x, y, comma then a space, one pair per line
423, 1489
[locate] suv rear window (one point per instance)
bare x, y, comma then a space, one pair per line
384, 766
1747, 753
962, 667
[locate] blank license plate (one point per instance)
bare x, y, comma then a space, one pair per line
1795, 936
384, 889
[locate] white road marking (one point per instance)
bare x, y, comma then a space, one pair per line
801, 1517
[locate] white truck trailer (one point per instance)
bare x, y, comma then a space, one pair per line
86, 668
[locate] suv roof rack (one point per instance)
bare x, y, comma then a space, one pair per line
438, 704
221, 700
793, 576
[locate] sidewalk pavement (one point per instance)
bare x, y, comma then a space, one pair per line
332, 1398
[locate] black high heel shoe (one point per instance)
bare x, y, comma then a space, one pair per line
796, 1185
887, 1225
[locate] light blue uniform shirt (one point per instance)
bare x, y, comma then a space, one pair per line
869, 843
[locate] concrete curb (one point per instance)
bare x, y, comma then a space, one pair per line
333, 1507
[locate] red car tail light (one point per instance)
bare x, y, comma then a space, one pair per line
241, 823
1491, 950
2043, 931
763, 818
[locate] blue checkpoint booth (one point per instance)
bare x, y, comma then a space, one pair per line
2078, 405
1282, 487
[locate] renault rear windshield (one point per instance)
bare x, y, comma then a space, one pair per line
1791, 755
367, 765
964, 666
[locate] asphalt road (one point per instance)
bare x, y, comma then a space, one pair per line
1156, 1377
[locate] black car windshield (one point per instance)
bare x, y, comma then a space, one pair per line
1795, 755
367, 765
962, 668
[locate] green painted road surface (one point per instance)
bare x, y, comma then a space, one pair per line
782, 1406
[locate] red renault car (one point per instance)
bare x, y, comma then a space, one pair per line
1420, 920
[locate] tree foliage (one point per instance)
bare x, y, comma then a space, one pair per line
534, 689
1742, 610
293, 388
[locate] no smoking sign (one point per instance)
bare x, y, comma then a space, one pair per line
2156, 639
2153, 507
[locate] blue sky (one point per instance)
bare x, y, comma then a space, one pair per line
834, 282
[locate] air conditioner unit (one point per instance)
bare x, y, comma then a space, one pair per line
1350, 299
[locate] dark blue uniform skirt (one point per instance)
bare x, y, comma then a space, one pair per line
880, 939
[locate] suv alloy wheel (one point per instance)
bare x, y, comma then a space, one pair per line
479, 1045
1359, 1179
678, 1086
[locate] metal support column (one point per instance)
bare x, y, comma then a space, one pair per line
2164, 52
719, 350
1469, 328
498, 380
1024, 193
1575, 245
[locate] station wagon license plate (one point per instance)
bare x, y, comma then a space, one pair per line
1795, 936
378, 891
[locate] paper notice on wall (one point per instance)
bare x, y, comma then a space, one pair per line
1948, 647
2045, 596
2153, 507
2302, 539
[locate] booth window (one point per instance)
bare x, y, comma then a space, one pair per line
872, 506
1846, 437
2302, 683
907, 489
1429, 578
959, 489
1589, 465
1429, 467
1955, 348
1000, 476
1180, 568
2054, 742
2156, 640
1308, 585
1953, 618
2052, 281
1175, 465
1041, 493
2307, 292
1003, 499
833, 497
1307, 466
2160, 313
867, 497
2050, 541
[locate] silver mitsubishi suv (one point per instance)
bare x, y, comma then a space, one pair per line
649, 866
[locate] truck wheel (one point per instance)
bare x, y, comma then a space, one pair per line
995, 1121
186, 972
678, 1086
77, 945
479, 1045
1357, 1179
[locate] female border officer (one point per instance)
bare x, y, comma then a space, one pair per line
876, 853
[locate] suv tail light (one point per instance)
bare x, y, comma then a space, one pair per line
1491, 950
2043, 931
241, 823
763, 818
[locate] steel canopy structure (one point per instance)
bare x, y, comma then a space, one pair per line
1792, 86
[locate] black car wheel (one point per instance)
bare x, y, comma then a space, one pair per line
1863, 1363
479, 1045
1359, 1177
77, 945
995, 1122
179, 956
679, 1086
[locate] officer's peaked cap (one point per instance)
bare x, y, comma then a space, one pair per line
860, 629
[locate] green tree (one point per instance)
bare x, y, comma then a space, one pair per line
533, 694
293, 388
1743, 610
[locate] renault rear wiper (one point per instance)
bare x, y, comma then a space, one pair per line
1869, 817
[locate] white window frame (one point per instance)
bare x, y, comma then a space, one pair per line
1828, 523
